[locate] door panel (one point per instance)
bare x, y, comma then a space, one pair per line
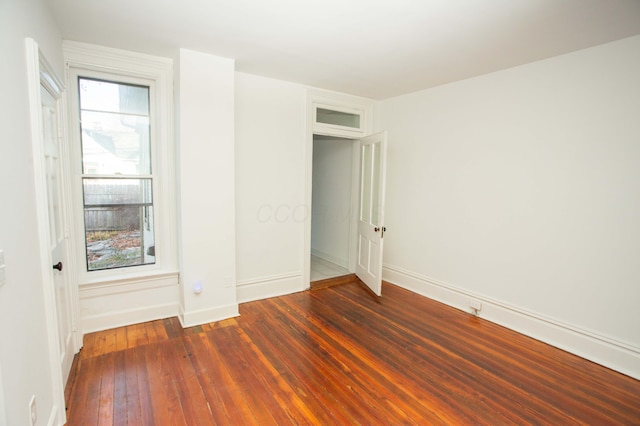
373, 151
57, 227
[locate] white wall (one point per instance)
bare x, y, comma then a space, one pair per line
23, 352
3, 415
270, 211
206, 187
331, 202
522, 188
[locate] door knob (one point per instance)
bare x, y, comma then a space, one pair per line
376, 229
58, 266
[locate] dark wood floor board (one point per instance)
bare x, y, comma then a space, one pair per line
243, 379
422, 384
192, 398
120, 406
107, 387
365, 364
467, 385
164, 395
84, 391
233, 404
335, 356
109, 343
213, 387
308, 395
539, 369
121, 338
376, 397
312, 368
249, 375
132, 390
331, 282
199, 358
503, 366
545, 363
144, 390
173, 327
277, 378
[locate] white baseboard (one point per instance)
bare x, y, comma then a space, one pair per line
204, 316
121, 318
330, 258
620, 356
270, 286
118, 303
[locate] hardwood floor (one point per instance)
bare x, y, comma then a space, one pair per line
338, 355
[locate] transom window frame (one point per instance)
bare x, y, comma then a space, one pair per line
102, 63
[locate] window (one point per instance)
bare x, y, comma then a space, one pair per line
117, 183
122, 166
343, 121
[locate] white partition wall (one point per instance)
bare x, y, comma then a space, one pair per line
206, 188
270, 209
24, 353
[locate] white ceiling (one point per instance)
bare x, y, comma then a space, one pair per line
372, 48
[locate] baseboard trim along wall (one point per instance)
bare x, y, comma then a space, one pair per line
329, 258
114, 319
619, 356
113, 304
268, 286
204, 316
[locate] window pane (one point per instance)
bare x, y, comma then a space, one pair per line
97, 95
105, 192
114, 143
119, 236
339, 118
365, 184
375, 185
114, 119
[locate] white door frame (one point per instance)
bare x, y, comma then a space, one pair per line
40, 73
366, 105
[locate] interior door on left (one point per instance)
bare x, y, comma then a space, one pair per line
57, 227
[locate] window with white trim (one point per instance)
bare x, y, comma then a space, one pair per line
123, 153
117, 184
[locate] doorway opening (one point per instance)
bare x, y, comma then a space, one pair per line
333, 207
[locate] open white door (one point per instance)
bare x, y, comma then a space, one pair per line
373, 163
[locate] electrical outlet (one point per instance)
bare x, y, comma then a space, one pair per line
33, 413
476, 305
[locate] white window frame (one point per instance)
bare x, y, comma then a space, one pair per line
321, 128
86, 60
